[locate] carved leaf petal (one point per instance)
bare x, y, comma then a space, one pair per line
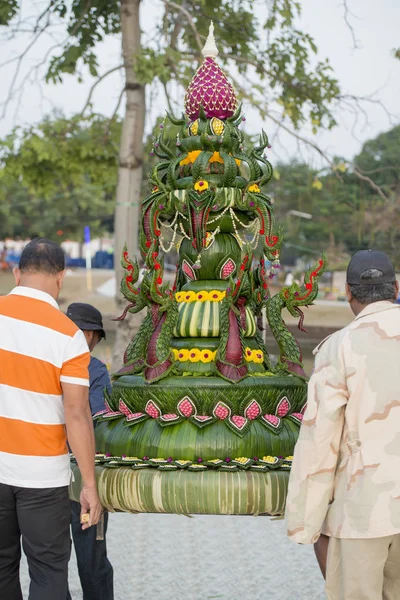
283, 407
272, 420
186, 407
222, 411
152, 410
252, 410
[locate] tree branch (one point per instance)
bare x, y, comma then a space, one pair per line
177, 30
347, 12
96, 83
167, 98
113, 116
189, 18
371, 183
45, 12
359, 99
264, 111
395, 168
19, 60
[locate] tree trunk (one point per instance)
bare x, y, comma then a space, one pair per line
127, 211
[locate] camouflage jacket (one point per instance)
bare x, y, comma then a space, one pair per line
345, 478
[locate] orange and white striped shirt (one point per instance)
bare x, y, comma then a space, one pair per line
39, 349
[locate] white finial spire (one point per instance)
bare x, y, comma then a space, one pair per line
210, 49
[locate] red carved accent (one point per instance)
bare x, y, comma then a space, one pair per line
271, 241
262, 230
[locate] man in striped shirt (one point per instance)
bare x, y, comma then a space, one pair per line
44, 383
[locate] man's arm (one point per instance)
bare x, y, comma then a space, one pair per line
78, 420
315, 459
74, 379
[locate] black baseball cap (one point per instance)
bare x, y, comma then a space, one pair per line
86, 317
370, 259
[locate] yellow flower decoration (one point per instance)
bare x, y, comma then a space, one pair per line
217, 158
253, 188
183, 355
216, 295
192, 156
202, 296
257, 356
189, 296
194, 355
207, 356
248, 354
201, 185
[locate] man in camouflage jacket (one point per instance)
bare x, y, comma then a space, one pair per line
345, 479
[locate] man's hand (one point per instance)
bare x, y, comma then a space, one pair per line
90, 503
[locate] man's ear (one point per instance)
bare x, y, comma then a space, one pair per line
60, 279
17, 275
349, 295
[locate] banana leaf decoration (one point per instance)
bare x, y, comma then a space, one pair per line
199, 419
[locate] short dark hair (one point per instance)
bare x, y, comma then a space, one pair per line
42, 256
369, 293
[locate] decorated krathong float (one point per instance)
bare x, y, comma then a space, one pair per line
199, 419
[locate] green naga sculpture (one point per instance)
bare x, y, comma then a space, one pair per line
199, 420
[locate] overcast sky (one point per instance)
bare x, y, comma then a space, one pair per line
362, 72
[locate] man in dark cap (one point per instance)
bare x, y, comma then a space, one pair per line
95, 570
345, 480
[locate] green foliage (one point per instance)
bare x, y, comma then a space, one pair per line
58, 176
347, 213
88, 24
380, 160
270, 46
8, 10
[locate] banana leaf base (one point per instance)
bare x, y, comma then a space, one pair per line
183, 492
